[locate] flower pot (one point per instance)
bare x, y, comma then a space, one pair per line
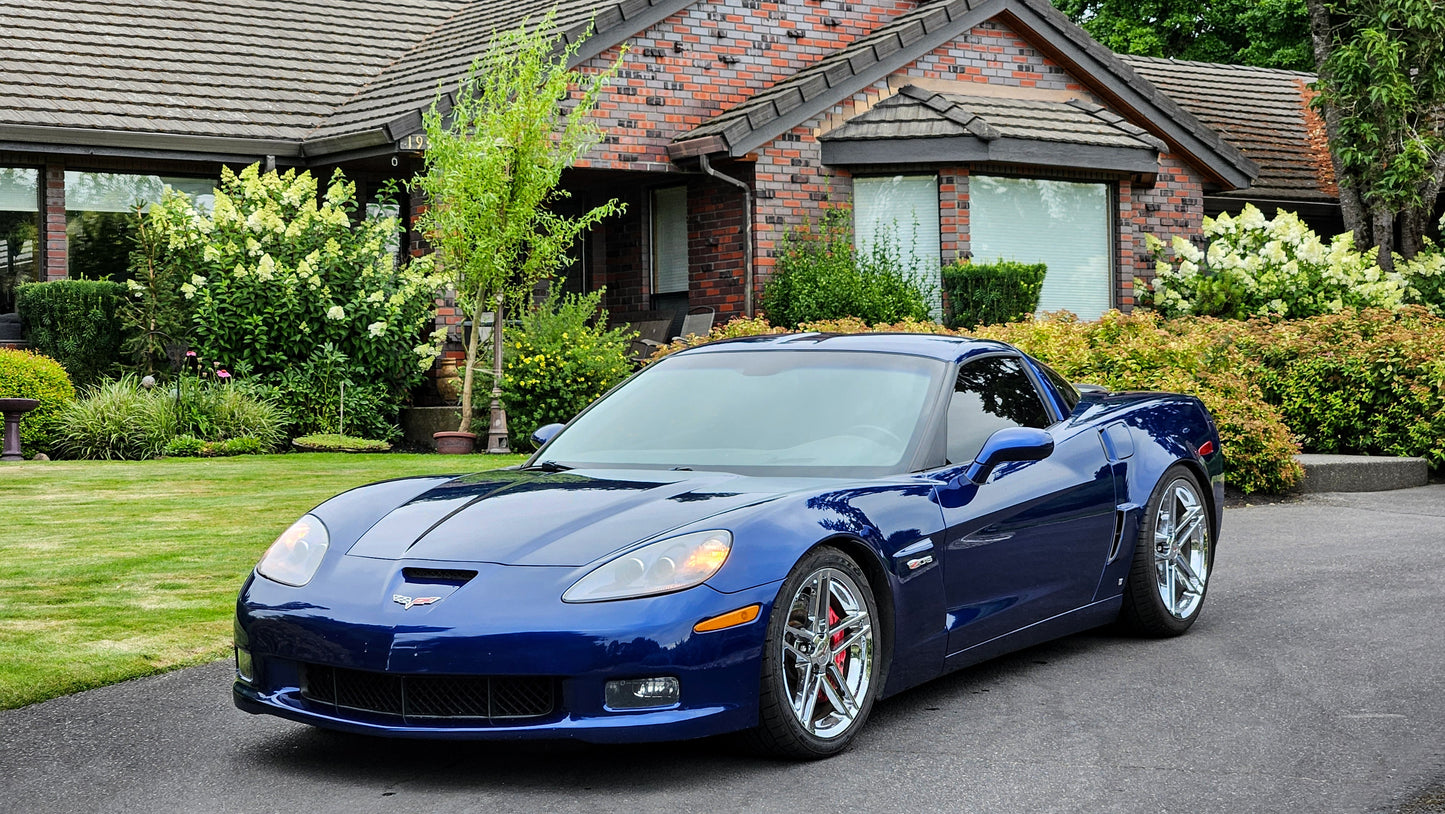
449, 382
454, 443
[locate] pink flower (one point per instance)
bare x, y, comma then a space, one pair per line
190, 353
222, 374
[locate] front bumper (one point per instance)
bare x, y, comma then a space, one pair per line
505, 622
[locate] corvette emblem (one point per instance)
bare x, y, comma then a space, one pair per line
406, 602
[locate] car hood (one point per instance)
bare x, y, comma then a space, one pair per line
562, 519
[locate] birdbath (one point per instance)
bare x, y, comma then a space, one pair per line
13, 410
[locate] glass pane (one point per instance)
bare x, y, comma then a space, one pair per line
669, 240
19, 189
100, 216
991, 394
902, 209
824, 411
1063, 224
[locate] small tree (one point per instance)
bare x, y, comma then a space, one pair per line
493, 163
1382, 93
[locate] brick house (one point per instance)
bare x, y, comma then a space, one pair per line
974, 128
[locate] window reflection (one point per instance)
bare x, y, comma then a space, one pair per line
100, 217
19, 231
991, 394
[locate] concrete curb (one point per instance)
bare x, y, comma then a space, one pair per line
1361, 473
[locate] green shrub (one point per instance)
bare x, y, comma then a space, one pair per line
119, 420
243, 445
992, 293
338, 443
275, 273
183, 446
558, 359
1367, 382
311, 394
28, 375
74, 322
821, 275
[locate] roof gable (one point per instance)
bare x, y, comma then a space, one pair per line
835, 78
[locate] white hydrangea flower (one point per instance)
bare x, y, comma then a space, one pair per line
336, 312
376, 328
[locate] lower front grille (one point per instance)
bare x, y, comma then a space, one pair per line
431, 697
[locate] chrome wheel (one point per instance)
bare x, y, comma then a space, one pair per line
1181, 548
827, 652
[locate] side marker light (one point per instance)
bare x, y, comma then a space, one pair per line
1206, 449
741, 616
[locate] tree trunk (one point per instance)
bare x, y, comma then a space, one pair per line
1384, 228
472, 344
1352, 206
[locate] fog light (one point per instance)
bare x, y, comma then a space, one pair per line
642, 693
245, 669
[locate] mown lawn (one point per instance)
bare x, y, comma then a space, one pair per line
112, 570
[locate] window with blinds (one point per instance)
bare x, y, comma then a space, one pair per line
1063, 224
902, 209
669, 240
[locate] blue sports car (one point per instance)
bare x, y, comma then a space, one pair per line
766, 534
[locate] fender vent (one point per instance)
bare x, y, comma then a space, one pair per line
1119, 516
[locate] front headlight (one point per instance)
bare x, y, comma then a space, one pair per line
296, 554
657, 568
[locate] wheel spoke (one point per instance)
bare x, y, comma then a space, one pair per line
809, 699
822, 594
847, 643
1191, 579
838, 694
858, 618
796, 653
1189, 524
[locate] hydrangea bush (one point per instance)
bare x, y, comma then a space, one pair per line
276, 273
1255, 266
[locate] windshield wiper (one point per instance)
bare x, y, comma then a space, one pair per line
546, 466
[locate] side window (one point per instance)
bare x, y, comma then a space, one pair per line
991, 394
1067, 391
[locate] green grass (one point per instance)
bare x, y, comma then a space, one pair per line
113, 570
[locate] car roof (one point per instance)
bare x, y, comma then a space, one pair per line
933, 346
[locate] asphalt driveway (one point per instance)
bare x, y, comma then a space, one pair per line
1314, 681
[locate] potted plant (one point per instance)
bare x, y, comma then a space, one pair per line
493, 162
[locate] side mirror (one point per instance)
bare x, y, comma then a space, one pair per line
544, 434
1010, 444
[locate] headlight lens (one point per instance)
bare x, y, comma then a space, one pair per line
657, 568
296, 554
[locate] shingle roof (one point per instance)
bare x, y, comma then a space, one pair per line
909, 36
918, 113
262, 69
302, 75
1261, 111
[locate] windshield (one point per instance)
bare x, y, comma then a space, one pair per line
809, 411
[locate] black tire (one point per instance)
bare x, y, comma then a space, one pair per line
1145, 611
780, 731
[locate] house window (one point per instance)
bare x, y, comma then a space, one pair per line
901, 210
19, 231
669, 241
100, 220
1063, 224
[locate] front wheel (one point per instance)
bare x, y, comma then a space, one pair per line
1172, 560
821, 659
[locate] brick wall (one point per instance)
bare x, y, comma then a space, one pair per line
52, 223
708, 58
1173, 206
716, 218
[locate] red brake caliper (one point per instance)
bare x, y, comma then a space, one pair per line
837, 638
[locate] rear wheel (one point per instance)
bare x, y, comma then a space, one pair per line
1172, 560
821, 659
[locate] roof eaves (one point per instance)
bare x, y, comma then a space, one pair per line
1206, 146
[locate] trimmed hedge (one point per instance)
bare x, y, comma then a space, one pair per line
74, 322
992, 293
28, 375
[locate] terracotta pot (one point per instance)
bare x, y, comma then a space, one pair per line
449, 382
455, 443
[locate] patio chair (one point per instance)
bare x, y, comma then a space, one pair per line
698, 322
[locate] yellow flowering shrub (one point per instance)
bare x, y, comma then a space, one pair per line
557, 360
